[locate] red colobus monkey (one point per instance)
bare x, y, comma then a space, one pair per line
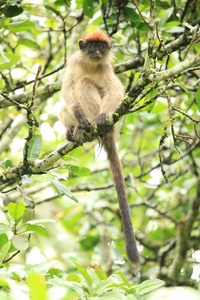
92, 92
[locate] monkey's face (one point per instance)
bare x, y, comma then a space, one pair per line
96, 51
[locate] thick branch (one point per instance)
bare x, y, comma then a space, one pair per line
43, 91
164, 75
159, 54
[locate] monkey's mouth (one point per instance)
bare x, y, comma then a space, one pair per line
96, 58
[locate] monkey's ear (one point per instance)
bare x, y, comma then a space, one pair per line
81, 44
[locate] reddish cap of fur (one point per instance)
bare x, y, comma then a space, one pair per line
97, 36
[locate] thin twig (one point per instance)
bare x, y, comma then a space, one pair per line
12, 101
185, 114
190, 45
30, 118
171, 113
36, 78
135, 2
161, 42
11, 257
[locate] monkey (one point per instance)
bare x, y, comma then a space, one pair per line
92, 91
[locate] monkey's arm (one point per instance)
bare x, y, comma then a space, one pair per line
81, 117
111, 100
71, 92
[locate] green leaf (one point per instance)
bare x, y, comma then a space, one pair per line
25, 179
52, 10
58, 175
20, 242
9, 59
28, 200
42, 178
105, 2
123, 278
141, 26
37, 286
131, 14
5, 296
175, 29
149, 285
88, 8
38, 229
62, 189
68, 157
178, 3
28, 42
198, 98
80, 171
3, 239
150, 106
4, 228
102, 285
35, 146
8, 164
12, 11
5, 250
183, 87
133, 297
172, 24
84, 273
167, 14
54, 272
20, 26
59, 3
101, 274
74, 278
4, 282
76, 152
16, 210
112, 296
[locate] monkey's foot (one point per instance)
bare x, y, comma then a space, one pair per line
102, 120
70, 133
78, 134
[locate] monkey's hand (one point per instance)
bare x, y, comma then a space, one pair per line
102, 120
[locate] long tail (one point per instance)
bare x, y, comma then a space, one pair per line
108, 141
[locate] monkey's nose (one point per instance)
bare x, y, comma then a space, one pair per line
98, 54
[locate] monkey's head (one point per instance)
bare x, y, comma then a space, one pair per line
95, 45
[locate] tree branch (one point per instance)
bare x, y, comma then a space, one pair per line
181, 41
42, 92
184, 232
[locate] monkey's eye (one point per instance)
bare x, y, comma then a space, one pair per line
92, 47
